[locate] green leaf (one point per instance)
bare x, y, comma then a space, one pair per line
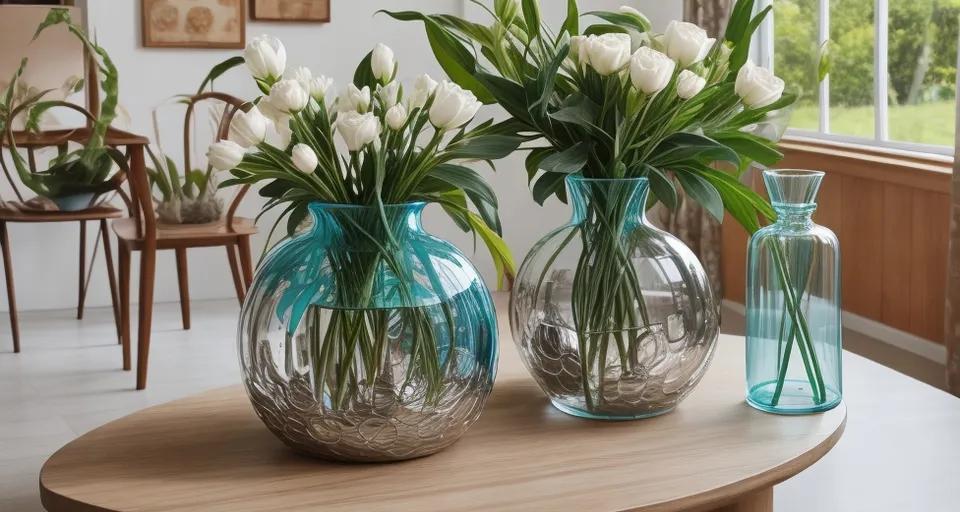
572, 24
638, 23
751, 146
502, 257
509, 94
825, 62
547, 185
476, 31
363, 76
276, 188
531, 16
739, 20
581, 111
467, 179
596, 30
663, 187
570, 161
486, 147
547, 80
218, 70
701, 191
533, 161
682, 147
741, 50
296, 218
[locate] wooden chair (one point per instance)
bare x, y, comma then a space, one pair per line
141, 232
11, 213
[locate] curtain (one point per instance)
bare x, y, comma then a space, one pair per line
952, 313
691, 223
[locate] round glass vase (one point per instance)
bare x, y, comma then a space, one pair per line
614, 318
794, 347
366, 339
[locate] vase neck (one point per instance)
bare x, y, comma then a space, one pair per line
793, 195
628, 196
365, 228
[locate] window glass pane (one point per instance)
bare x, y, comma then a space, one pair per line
923, 70
851, 79
795, 53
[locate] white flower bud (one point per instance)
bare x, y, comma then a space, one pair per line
422, 90
758, 87
689, 84
289, 96
389, 94
319, 87
650, 70
304, 159
248, 128
606, 53
266, 57
358, 130
686, 43
225, 155
383, 63
397, 117
452, 107
354, 99
302, 74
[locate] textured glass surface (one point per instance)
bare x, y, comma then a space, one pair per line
614, 318
793, 367
365, 340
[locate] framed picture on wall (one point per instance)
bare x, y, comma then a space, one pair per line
290, 10
193, 23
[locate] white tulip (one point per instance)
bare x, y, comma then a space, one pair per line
354, 99
689, 84
302, 74
272, 113
686, 43
358, 130
304, 159
758, 87
650, 70
284, 134
452, 106
248, 128
423, 88
383, 63
225, 155
397, 117
606, 53
389, 95
266, 57
289, 96
319, 87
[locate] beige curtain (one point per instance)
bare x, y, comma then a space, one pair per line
952, 315
691, 223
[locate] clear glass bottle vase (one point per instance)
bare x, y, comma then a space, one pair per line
794, 348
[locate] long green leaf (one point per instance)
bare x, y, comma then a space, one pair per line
701, 191
486, 147
663, 187
218, 70
739, 20
569, 161
531, 16
571, 26
548, 184
363, 76
640, 24
502, 257
741, 50
467, 179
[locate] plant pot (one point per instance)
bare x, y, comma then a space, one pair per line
203, 210
366, 339
75, 202
614, 318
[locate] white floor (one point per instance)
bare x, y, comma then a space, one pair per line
68, 380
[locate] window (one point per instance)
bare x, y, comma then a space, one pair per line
894, 76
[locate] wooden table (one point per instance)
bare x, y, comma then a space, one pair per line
210, 453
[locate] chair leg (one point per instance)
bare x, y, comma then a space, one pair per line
246, 261
148, 267
125, 304
112, 276
11, 293
82, 289
184, 288
235, 271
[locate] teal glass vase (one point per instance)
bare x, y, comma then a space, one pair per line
366, 339
794, 347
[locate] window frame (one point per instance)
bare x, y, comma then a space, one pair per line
766, 36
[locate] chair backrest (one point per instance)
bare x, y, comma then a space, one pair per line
144, 211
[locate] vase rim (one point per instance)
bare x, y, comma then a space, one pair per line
794, 173
348, 206
581, 179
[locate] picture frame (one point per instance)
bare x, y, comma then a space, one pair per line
204, 24
309, 11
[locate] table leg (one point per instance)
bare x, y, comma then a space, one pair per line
11, 294
759, 501
82, 289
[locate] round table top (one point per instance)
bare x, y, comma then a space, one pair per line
211, 453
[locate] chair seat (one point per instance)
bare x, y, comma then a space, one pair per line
173, 236
95, 213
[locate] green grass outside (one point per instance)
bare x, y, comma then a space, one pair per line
929, 123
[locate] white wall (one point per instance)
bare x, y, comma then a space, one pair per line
45, 256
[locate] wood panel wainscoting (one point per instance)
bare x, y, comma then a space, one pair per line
892, 216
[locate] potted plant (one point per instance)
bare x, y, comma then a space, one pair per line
74, 179
364, 338
614, 317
